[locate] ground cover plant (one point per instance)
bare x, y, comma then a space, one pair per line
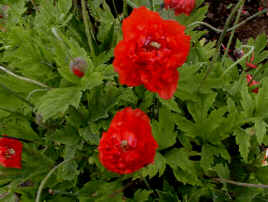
132, 100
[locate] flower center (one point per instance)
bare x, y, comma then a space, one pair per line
9, 153
155, 44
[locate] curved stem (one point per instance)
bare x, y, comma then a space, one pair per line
23, 78
241, 59
231, 28
228, 21
42, 184
34, 91
131, 4
249, 18
233, 31
241, 183
206, 24
16, 95
87, 23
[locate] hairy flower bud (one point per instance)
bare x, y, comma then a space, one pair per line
78, 66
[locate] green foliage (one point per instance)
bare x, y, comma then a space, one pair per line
213, 127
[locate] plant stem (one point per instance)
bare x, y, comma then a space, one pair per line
228, 21
42, 184
218, 45
115, 9
87, 23
17, 95
125, 8
131, 4
230, 29
24, 78
249, 18
21, 139
153, 5
233, 31
241, 183
241, 59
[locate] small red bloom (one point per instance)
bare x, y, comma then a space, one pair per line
10, 152
78, 66
180, 6
252, 83
151, 51
128, 145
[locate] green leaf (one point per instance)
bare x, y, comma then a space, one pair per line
243, 140
129, 96
89, 136
222, 170
183, 168
171, 104
262, 99
163, 130
260, 126
58, 100
262, 174
158, 166
209, 152
142, 195
91, 80
260, 43
246, 101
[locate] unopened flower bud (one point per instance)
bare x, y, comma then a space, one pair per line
78, 66
238, 53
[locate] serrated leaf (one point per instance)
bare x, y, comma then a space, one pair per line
129, 96
260, 43
91, 80
243, 140
170, 104
163, 130
158, 166
246, 101
260, 126
90, 137
142, 195
58, 100
183, 168
262, 99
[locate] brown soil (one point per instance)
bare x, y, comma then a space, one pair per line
221, 9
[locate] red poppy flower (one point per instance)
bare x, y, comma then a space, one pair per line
151, 51
252, 83
128, 145
180, 6
10, 152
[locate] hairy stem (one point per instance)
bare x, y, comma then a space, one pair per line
233, 31
88, 27
228, 21
241, 183
241, 59
42, 184
131, 4
23, 78
16, 95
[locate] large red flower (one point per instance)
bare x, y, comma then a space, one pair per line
10, 152
151, 51
180, 6
128, 145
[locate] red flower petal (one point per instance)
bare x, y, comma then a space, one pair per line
180, 6
128, 145
10, 152
151, 49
